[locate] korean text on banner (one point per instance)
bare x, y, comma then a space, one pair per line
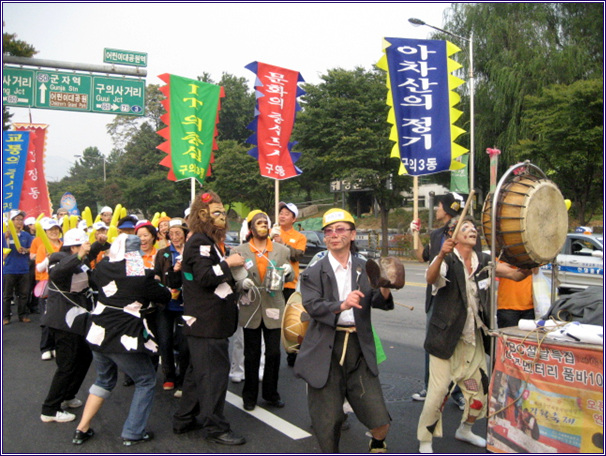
35, 198
422, 99
14, 155
192, 116
546, 399
276, 91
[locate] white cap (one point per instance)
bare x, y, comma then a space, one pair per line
14, 213
290, 206
29, 221
82, 225
50, 223
106, 209
187, 211
100, 225
74, 236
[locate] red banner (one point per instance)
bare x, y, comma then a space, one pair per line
547, 398
35, 198
277, 92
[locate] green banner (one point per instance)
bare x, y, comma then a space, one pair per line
193, 117
459, 179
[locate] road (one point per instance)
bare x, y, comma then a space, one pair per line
25, 382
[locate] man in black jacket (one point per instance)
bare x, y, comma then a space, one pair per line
211, 317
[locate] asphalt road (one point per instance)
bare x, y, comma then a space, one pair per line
25, 382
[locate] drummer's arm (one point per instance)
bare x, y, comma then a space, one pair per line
509, 272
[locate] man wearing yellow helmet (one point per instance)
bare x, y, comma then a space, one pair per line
339, 346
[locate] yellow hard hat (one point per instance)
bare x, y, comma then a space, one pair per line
337, 215
251, 214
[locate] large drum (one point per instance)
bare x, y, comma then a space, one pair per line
531, 222
295, 321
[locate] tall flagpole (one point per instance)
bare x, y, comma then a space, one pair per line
276, 200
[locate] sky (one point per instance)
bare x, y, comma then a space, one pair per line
189, 39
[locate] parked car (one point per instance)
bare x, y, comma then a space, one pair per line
581, 262
231, 240
315, 244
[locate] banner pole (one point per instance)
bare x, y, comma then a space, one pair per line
193, 189
277, 200
415, 209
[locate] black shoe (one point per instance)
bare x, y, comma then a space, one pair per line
291, 358
81, 436
128, 381
278, 403
249, 406
227, 438
193, 426
146, 437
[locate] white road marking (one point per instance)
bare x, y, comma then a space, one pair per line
286, 428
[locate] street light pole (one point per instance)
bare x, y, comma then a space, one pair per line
471, 165
104, 169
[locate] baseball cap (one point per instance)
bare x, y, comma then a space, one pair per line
105, 209
178, 222
15, 212
127, 222
29, 221
51, 223
452, 204
100, 225
74, 237
337, 215
290, 206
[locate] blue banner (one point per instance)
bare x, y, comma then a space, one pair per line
422, 103
14, 157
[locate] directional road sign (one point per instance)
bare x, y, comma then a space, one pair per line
121, 57
48, 89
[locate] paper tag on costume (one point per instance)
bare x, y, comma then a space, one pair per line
244, 299
248, 263
205, 250
133, 309
72, 313
189, 320
110, 289
274, 314
292, 241
128, 342
96, 334
217, 270
484, 284
223, 290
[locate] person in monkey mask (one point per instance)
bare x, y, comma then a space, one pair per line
211, 317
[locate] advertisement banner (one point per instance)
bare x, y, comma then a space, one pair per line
422, 99
35, 198
276, 91
15, 145
546, 398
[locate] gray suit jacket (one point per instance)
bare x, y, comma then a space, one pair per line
321, 300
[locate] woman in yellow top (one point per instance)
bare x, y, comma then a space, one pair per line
54, 233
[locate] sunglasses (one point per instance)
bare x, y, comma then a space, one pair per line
338, 231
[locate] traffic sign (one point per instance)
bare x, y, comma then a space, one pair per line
17, 87
121, 57
48, 89
57, 90
118, 95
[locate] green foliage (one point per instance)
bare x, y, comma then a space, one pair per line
237, 109
567, 141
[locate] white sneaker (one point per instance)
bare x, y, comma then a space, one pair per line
236, 378
178, 393
425, 447
465, 435
420, 396
47, 356
54, 353
72, 403
60, 417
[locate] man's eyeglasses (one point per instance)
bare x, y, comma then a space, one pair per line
338, 231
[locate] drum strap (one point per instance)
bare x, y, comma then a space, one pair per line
347, 330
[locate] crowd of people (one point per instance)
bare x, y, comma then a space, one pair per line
170, 290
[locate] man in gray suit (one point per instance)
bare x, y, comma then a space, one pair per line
337, 358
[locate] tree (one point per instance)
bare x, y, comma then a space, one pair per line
566, 122
519, 49
237, 109
17, 48
343, 134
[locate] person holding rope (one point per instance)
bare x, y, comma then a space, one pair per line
456, 332
338, 356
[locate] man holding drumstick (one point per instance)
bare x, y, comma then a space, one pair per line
455, 335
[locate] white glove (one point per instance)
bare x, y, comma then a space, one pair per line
415, 225
247, 284
42, 266
275, 231
287, 269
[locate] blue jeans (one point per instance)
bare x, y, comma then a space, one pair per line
140, 368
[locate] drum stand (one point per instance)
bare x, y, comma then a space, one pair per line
493, 263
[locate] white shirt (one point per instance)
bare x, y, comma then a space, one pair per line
343, 275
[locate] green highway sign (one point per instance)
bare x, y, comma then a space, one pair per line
118, 95
121, 57
48, 89
17, 87
56, 90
